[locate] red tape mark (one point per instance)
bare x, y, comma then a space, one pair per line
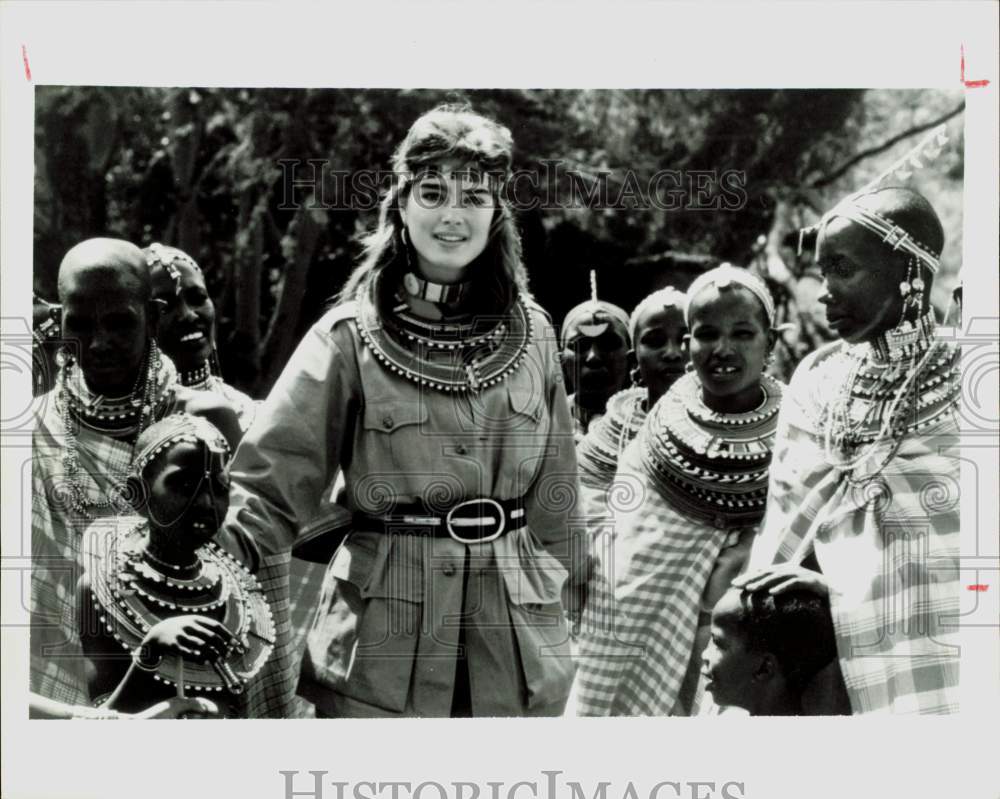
977, 587
27, 69
971, 84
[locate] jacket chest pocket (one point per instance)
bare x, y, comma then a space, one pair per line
394, 434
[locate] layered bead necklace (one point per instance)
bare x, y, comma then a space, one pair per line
902, 382
116, 417
447, 356
599, 451
709, 465
134, 590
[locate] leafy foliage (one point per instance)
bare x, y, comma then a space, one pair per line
208, 170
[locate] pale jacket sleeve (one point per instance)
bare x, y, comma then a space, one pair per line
552, 499
288, 459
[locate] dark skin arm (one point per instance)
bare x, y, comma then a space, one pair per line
111, 670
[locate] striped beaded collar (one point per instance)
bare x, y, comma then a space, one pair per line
711, 466
599, 450
462, 355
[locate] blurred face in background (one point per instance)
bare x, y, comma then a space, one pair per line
595, 361
659, 349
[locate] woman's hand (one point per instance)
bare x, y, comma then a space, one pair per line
781, 578
180, 708
195, 637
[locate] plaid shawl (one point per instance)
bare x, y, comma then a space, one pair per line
888, 546
638, 631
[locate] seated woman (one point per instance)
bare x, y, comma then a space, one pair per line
700, 466
163, 610
657, 331
185, 328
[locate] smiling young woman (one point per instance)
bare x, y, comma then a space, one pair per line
700, 463
433, 387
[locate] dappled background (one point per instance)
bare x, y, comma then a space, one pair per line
201, 169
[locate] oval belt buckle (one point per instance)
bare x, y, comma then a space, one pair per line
451, 523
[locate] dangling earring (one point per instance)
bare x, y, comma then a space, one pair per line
636, 376
402, 235
689, 367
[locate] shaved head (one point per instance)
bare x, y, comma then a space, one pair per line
107, 312
118, 262
911, 211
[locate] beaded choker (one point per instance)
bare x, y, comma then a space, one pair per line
599, 451
196, 378
711, 466
133, 596
442, 293
448, 356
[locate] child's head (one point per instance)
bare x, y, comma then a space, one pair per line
179, 481
730, 315
658, 329
766, 647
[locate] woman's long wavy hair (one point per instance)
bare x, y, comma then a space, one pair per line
457, 135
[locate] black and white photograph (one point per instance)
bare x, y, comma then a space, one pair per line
460, 408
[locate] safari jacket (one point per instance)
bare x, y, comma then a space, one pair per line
385, 638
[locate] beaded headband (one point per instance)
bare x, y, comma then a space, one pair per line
172, 429
166, 258
721, 277
668, 297
892, 234
595, 309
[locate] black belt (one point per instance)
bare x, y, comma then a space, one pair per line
474, 521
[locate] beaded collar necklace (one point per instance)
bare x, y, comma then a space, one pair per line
134, 596
447, 356
902, 382
196, 378
599, 451
709, 465
122, 417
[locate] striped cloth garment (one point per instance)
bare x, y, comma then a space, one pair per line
887, 542
638, 633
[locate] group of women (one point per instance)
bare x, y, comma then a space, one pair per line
484, 557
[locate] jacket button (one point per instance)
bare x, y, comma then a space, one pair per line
387, 422
448, 570
461, 449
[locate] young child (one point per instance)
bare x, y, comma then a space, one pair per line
163, 610
765, 649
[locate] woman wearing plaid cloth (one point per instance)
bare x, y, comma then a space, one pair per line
697, 478
865, 477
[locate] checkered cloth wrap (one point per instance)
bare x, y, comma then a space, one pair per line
889, 549
641, 620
